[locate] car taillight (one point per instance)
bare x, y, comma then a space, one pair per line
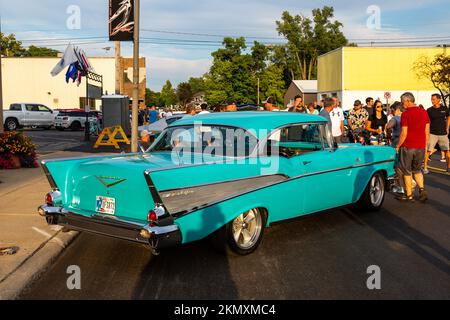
49, 199
152, 216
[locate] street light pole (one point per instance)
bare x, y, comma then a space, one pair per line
134, 113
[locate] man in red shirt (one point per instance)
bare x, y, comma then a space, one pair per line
413, 140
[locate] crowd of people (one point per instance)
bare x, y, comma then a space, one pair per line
414, 132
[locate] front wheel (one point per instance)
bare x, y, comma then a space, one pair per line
373, 196
244, 234
11, 124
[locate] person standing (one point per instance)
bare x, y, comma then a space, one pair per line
357, 119
328, 107
298, 105
394, 125
231, 106
204, 108
152, 115
312, 109
369, 106
269, 105
337, 121
376, 124
439, 128
411, 146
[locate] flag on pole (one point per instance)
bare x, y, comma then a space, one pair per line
68, 58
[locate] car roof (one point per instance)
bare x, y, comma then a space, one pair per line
260, 122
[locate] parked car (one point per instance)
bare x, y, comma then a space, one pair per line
157, 127
28, 115
73, 120
247, 107
182, 191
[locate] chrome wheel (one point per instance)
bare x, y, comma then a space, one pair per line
376, 190
247, 229
11, 124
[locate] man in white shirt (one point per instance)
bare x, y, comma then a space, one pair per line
204, 108
337, 121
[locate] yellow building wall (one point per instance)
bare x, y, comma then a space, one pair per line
29, 80
329, 73
385, 68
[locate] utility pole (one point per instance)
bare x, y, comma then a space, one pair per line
118, 75
258, 91
1, 87
135, 107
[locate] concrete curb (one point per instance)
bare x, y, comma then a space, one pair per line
14, 283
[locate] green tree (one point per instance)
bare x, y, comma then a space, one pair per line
272, 83
197, 84
10, 47
436, 70
34, 51
168, 95
233, 74
184, 93
153, 98
307, 40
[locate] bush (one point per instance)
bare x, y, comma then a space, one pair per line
15, 145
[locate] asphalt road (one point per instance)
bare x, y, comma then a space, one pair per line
323, 256
49, 141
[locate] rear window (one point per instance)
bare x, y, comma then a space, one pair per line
15, 107
63, 114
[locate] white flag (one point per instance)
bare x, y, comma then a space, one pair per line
68, 58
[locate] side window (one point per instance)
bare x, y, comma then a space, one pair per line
32, 107
296, 140
43, 108
15, 107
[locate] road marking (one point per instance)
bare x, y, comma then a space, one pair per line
48, 236
437, 169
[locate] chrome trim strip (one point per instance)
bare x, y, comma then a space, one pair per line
206, 205
50, 179
224, 181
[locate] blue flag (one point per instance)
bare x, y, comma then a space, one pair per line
72, 72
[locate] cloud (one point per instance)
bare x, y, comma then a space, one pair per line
47, 19
176, 70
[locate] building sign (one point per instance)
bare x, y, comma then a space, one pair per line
121, 20
94, 92
387, 95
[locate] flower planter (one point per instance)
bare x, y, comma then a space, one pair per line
15, 160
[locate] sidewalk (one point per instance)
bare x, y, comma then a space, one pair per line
21, 192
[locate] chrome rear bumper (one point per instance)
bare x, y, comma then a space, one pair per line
157, 237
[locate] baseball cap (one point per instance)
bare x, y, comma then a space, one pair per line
270, 100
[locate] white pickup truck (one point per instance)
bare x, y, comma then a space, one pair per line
28, 115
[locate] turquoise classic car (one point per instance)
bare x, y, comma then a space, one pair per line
223, 175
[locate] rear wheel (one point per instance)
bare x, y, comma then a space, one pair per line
75, 126
11, 124
242, 235
373, 196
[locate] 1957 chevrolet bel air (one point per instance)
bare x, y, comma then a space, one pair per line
225, 175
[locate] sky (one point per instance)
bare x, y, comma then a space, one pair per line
165, 22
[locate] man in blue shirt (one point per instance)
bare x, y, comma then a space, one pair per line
152, 115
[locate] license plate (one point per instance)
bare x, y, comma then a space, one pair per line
105, 205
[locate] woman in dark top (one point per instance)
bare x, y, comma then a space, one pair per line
376, 124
